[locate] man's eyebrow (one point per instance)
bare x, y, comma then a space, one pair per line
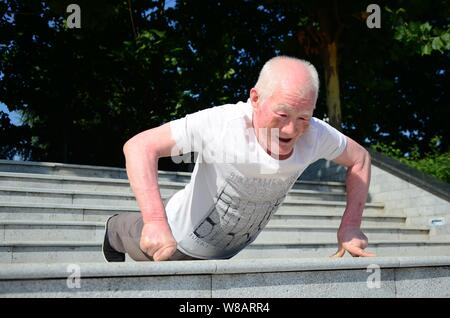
284, 108
288, 109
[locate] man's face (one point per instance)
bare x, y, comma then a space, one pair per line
281, 119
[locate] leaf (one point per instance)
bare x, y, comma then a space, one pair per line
446, 40
426, 49
399, 33
229, 74
425, 27
437, 44
158, 32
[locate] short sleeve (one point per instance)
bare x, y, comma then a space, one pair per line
179, 132
330, 142
191, 132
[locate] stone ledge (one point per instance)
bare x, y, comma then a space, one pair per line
54, 165
212, 267
411, 175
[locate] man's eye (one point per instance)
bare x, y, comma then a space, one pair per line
282, 115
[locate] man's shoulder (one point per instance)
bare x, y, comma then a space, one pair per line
318, 130
221, 113
315, 126
237, 109
321, 125
317, 122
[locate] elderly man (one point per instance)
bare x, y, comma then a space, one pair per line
250, 155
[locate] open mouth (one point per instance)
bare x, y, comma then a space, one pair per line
285, 140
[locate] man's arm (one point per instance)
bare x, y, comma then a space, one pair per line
141, 154
350, 237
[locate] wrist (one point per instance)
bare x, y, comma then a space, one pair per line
151, 218
350, 225
350, 220
153, 214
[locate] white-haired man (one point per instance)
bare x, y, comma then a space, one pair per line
271, 139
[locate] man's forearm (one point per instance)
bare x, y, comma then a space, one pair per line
142, 171
357, 183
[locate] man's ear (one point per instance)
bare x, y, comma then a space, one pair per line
254, 98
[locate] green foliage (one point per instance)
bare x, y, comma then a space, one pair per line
14, 140
420, 37
402, 93
434, 163
84, 92
423, 37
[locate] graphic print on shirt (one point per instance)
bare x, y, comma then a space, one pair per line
241, 210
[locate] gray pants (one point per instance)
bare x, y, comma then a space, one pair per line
124, 235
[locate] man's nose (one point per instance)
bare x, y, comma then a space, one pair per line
289, 129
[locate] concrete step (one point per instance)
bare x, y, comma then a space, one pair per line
59, 212
290, 234
21, 230
326, 186
16, 194
85, 252
10, 194
62, 169
329, 218
314, 206
42, 181
50, 252
260, 278
382, 248
34, 231
51, 168
49, 181
296, 194
303, 211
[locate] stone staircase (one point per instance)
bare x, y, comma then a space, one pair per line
54, 214
57, 215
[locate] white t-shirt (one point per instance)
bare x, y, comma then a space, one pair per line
236, 186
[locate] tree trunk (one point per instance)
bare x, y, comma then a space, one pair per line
330, 58
330, 30
65, 135
161, 7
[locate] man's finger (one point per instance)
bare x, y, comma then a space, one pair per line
356, 251
164, 253
339, 253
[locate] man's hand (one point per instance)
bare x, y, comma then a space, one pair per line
353, 241
157, 240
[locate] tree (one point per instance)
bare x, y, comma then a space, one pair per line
135, 64
84, 92
14, 140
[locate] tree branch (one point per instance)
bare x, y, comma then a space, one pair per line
131, 18
338, 21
